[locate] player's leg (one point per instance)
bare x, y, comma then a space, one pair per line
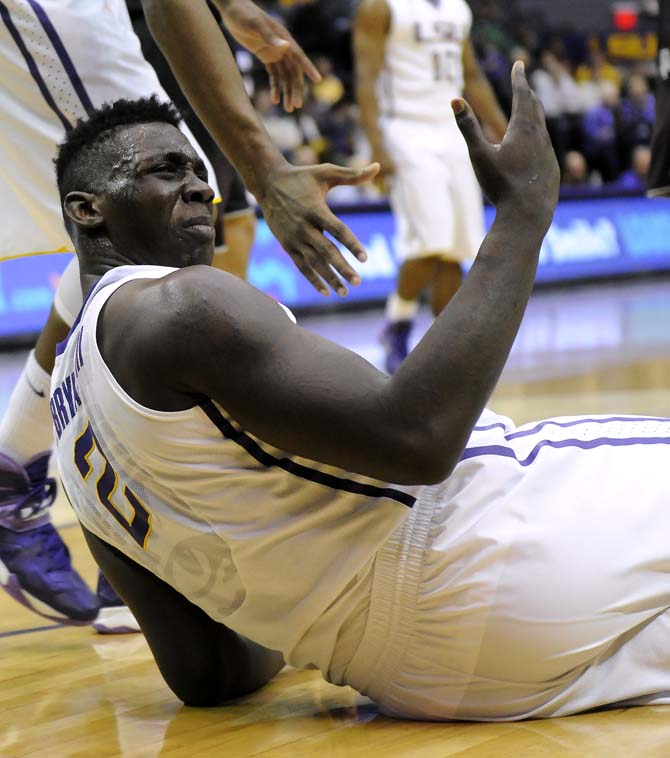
239, 233
447, 279
239, 229
203, 662
468, 230
52, 79
425, 225
35, 565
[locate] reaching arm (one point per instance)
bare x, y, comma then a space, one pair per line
312, 398
480, 95
292, 198
371, 29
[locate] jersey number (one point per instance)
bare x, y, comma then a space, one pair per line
138, 525
446, 65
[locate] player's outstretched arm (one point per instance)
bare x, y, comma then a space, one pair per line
205, 333
292, 198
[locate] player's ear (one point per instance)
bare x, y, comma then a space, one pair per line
83, 209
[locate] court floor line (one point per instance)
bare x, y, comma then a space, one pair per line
30, 630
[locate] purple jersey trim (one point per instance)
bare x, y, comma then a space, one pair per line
60, 346
489, 427
32, 66
297, 469
62, 53
501, 451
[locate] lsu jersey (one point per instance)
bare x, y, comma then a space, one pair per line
423, 63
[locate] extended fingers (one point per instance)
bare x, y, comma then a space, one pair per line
524, 102
469, 126
346, 237
333, 175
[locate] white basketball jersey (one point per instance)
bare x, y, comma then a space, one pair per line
278, 548
59, 59
423, 64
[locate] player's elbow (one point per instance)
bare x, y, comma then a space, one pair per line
429, 456
419, 459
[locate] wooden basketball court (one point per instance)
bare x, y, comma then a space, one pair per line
69, 692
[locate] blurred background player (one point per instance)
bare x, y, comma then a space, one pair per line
411, 60
57, 62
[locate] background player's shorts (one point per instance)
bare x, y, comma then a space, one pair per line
58, 60
435, 196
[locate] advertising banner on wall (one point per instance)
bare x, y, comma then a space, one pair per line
588, 239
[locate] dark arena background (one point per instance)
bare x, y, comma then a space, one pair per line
595, 340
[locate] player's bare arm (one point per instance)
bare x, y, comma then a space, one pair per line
480, 95
371, 28
292, 198
217, 665
200, 333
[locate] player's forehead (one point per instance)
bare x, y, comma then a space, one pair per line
145, 142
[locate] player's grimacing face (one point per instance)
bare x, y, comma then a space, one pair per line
157, 205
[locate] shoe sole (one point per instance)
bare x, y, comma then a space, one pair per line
11, 585
115, 620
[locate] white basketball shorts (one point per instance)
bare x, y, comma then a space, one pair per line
435, 196
58, 60
534, 582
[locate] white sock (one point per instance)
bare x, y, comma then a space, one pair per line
27, 428
398, 309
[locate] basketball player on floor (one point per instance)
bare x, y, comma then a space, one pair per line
391, 532
411, 59
58, 62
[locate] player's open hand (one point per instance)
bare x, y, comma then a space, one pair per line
271, 43
522, 172
294, 206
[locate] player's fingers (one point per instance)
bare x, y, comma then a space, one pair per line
328, 262
333, 175
341, 232
286, 86
294, 79
522, 95
306, 65
470, 128
330, 254
307, 270
275, 84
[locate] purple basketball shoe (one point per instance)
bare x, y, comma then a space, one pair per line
35, 566
394, 339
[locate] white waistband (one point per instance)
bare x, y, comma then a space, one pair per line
395, 585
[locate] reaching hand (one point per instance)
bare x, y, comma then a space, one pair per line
272, 44
522, 172
295, 209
